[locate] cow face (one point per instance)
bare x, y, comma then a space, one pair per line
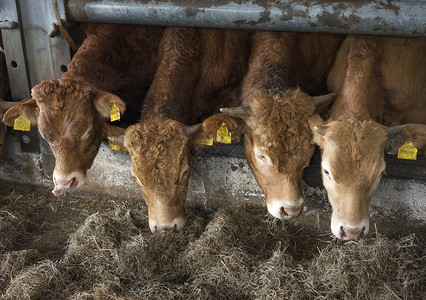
352, 166
278, 146
159, 152
70, 118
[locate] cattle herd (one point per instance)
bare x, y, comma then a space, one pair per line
170, 85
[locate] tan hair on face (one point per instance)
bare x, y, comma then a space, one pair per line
156, 147
281, 125
355, 148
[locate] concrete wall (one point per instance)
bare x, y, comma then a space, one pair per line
399, 206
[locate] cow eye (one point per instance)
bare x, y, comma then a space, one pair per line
261, 157
327, 174
184, 175
136, 179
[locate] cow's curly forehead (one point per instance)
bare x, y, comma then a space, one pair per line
55, 94
64, 105
156, 148
280, 125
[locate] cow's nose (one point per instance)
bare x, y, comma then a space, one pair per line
176, 225
291, 212
64, 182
351, 233
285, 210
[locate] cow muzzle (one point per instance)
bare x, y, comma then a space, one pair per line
175, 225
283, 210
63, 183
347, 232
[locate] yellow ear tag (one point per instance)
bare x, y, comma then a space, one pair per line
112, 146
407, 151
115, 113
223, 135
207, 141
22, 123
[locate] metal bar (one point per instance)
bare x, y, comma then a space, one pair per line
13, 45
8, 25
387, 17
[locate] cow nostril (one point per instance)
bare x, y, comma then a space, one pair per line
283, 213
175, 227
342, 232
74, 183
155, 228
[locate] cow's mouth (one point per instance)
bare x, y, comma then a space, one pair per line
62, 190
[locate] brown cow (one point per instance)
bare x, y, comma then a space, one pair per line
275, 115
201, 70
72, 113
380, 81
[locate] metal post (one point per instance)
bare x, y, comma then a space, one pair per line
387, 17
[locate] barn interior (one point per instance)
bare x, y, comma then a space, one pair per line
38, 262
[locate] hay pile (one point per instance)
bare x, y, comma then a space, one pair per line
238, 252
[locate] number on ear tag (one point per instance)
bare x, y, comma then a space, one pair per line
223, 135
22, 123
407, 151
115, 113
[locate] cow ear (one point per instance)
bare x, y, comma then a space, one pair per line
104, 102
28, 108
398, 135
235, 125
321, 103
115, 135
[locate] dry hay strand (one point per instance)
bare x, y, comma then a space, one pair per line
38, 282
223, 259
114, 250
13, 230
238, 252
14, 223
13, 262
369, 268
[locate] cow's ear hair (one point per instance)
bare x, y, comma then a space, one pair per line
28, 108
104, 102
398, 135
235, 125
321, 103
115, 135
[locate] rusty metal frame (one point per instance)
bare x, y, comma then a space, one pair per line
389, 17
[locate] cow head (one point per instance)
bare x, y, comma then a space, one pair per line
159, 153
353, 164
278, 144
70, 116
